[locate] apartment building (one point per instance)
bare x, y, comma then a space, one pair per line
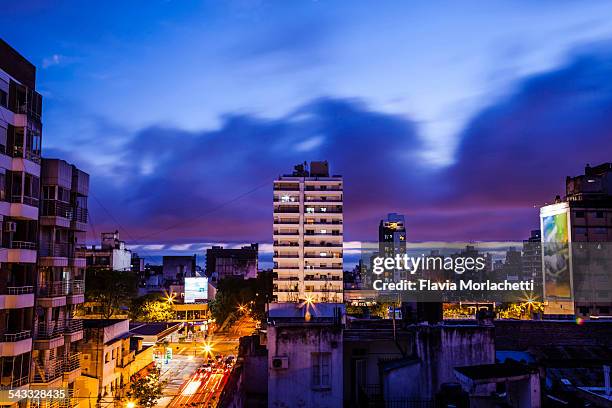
308, 231
222, 262
576, 235
20, 137
112, 253
61, 275
111, 357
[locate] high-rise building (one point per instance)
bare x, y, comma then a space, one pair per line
392, 240
578, 282
232, 262
61, 275
20, 137
532, 258
38, 329
308, 235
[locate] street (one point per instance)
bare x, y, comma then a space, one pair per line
189, 387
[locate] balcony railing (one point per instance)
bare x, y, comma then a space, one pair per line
286, 221
54, 289
73, 326
323, 244
50, 371
55, 208
287, 210
50, 330
22, 245
56, 249
286, 256
72, 362
80, 215
19, 199
19, 290
15, 383
17, 336
77, 287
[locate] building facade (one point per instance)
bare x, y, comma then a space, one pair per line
308, 235
61, 276
578, 283
242, 262
43, 213
110, 357
112, 253
20, 138
176, 267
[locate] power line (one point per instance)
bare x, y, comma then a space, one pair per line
201, 215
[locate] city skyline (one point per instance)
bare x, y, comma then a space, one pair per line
451, 144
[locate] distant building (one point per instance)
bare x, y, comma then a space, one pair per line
232, 262
577, 281
308, 214
112, 254
392, 240
111, 357
137, 263
532, 258
176, 267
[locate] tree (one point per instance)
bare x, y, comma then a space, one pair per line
151, 308
110, 289
146, 391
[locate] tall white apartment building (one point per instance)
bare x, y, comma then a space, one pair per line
308, 231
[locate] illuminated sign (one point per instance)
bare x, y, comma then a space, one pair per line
196, 290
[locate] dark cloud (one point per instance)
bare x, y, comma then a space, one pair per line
516, 153
170, 185
173, 185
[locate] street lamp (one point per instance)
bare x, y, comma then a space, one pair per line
130, 404
207, 348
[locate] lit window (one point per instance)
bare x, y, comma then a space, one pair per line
310, 210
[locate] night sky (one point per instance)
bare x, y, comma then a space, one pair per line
464, 116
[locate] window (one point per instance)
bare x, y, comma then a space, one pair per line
321, 370
579, 214
4, 90
599, 214
3, 136
107, 357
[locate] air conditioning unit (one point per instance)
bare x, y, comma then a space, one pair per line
10, 226
280, 363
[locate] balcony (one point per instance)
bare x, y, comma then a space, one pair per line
294, 221
323, 244
48, 372
15, 383
72, 366
73, 330
286, 256
15, 343
49, 335
53, 289
76, 294
56, 208
291, 210
21, 251
17, 297
79, 219
50, 330
55, 253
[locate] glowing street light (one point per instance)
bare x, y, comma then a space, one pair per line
207, 348
130, 404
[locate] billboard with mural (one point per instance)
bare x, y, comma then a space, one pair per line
556, 254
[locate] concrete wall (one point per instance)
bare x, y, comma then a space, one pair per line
292, 387
442, 348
